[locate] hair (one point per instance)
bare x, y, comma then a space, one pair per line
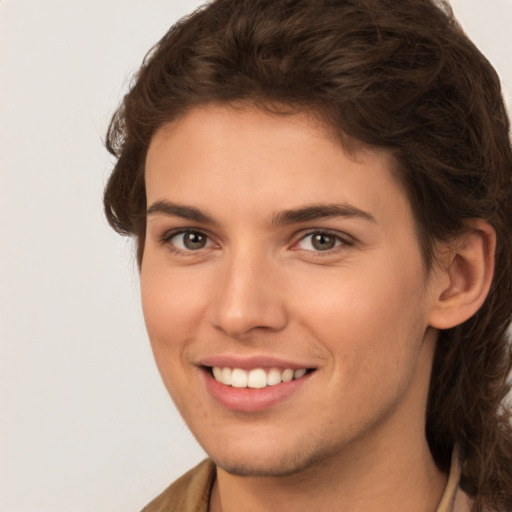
396, 75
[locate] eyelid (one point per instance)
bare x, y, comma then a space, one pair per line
167, 236
345, 239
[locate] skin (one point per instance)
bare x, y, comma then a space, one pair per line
360, 314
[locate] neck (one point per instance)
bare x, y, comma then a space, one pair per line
367, 479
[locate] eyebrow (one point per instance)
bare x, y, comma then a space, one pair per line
282, 218
319, 211
177, 210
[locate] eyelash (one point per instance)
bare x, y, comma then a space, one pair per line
168, 236
341, 241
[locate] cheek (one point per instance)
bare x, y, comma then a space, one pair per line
169, 314
371, 321
171, 305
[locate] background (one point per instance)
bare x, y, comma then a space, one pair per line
85, 423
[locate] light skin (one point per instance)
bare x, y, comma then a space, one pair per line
302, 253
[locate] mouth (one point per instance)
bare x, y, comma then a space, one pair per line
254, 384
256, 378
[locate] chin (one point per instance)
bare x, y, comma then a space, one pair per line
263, 469
258, 464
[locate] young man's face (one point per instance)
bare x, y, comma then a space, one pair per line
268, 251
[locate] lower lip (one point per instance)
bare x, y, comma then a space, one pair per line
249, 399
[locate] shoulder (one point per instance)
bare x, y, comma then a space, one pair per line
190, 493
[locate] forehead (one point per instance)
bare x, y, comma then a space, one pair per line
255, 161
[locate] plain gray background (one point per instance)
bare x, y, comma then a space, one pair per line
85, 423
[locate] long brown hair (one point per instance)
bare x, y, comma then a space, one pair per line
400, 75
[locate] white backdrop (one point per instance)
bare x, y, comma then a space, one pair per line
85, 423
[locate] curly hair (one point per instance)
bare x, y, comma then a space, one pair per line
396, 75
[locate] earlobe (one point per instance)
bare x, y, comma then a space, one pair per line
467, 269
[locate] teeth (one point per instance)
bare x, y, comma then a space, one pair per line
217, 373
226, 376
287, 375
257, 378
297, 374
274, 377
239, 378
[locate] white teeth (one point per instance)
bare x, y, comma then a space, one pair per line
239, 378
226, 376
217, 373
287, 375
257, 378
297, 374
274, 377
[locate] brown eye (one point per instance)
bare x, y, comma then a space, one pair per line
193, 240
319, 242
323, 242
189, 241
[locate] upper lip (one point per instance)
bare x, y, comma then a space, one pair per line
248, 363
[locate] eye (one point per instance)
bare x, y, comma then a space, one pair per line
188, 240
319, 241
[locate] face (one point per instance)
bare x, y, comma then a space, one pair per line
283, 291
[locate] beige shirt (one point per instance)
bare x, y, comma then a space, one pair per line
191, 492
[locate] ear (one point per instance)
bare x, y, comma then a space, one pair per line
464, 276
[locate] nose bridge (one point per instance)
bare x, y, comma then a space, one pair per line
249, 295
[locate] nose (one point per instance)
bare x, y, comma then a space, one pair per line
249, 298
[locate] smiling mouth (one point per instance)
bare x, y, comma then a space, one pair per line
256, 378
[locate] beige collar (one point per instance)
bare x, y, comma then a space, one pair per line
454, 499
